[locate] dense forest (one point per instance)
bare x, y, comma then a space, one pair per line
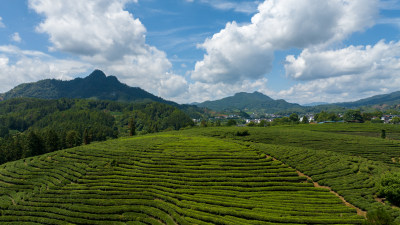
31, 127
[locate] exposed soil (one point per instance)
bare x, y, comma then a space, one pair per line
382, 200
360, 212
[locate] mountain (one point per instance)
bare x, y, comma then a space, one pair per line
250, 102
95, 86
385, 99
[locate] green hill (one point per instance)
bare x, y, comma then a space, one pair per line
386, 99
250, 102
95, 86
163, 179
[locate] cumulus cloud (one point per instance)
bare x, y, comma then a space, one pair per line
340, 89
16, 38
344, 74
173, 87
101, 30
246, 52
353, 60
241, 52
20, 66
1, 23
103, 33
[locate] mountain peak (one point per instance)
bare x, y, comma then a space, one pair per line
255, 94
97, 74
248, 101
95, 86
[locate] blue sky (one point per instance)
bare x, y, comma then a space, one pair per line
195, 50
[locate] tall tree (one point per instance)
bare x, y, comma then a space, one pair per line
72, 139
34, 144
132, 127
52, 141
305, 120
294, 117
86, 138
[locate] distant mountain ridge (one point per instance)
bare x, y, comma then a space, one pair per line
249, 101
99, 86
385, 99
95, 86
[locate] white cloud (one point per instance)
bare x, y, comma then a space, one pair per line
173, 87
353, 60
237, 6
18, 66
1, 23
345, 74
101, 30
241, 53
16, 38
104, 34
244, 52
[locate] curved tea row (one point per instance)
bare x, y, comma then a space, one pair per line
163, 179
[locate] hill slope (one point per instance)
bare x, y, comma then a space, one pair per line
163, 179
249, 101
95, 86
386, 99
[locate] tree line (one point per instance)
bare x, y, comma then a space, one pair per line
30, 127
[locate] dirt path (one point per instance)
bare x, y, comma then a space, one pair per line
360, 212
381, 200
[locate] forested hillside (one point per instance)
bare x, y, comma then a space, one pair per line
32, 126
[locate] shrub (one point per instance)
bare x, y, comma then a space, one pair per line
379, 217
390, 188
242, 133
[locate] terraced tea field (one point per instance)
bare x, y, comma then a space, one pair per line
163, 179
350, 165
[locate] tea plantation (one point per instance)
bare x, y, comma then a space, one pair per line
185, 177
351, 165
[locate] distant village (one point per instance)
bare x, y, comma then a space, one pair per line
257, 119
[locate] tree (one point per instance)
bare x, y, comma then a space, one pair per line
251, 124
294, 117
231, 122
305, 120
3, 131
72, 139
383, 134
132, 127
389, 187
52, 141
218, 123
263, 123
86, 138
395, 120
325, 116
34, 145
379, 217
353, 116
